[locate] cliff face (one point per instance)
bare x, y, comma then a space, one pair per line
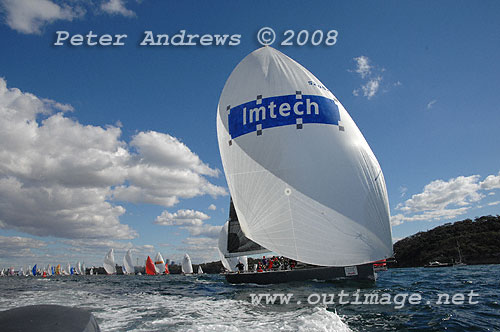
479, 242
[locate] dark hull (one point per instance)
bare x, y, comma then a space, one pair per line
440, 265
329, 273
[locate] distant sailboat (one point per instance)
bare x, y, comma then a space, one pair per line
78, 268
109, 262
159, 263
127, 263
187, 267
460, 261
91, 272
150, 267
58, 270
200, 270
33, 271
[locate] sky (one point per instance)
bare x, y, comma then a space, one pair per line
115, 146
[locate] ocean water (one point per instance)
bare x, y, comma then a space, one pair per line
209, 303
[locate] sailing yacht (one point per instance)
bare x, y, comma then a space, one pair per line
304, 182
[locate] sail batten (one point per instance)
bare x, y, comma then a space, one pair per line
304, 181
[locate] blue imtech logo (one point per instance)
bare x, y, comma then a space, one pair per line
297, 109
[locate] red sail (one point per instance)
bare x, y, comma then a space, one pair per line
150, 267
166, 269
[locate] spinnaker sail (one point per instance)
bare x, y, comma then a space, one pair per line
304, 181
187, 267
159, 263
127, 263
150, 267
109, 262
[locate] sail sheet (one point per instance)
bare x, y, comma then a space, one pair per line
127, 263
200, 270
109, 262
187, 267
304, 181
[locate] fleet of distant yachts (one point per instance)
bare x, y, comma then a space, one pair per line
152, 268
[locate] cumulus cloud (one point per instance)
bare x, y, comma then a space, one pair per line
212, 207
61, 178
445, 199
190, 220
16, 246
491, 182
181, 218
371, 76
200, 249
116, 7
30, 16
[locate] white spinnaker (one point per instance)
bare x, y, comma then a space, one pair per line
229, 263
187, 267
316, 194
109, 262
159, 263
127, 262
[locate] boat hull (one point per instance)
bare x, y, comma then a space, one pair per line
328, 273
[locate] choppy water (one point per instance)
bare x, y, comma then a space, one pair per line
208, 303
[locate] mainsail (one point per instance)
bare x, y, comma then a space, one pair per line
237, 243
109, 262
127, 263
228, 261
304, 181
200, 270
187, 267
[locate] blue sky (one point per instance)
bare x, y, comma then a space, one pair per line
115, 146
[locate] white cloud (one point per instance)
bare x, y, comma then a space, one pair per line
212, 207
206, 230
116, 7
371, 76
491, 182
445, 199
371, 87
431, 103
61, 178
200, 249
363, 67
403, 190
190, 220
494, 203
181, 218
30, 16
16, 246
